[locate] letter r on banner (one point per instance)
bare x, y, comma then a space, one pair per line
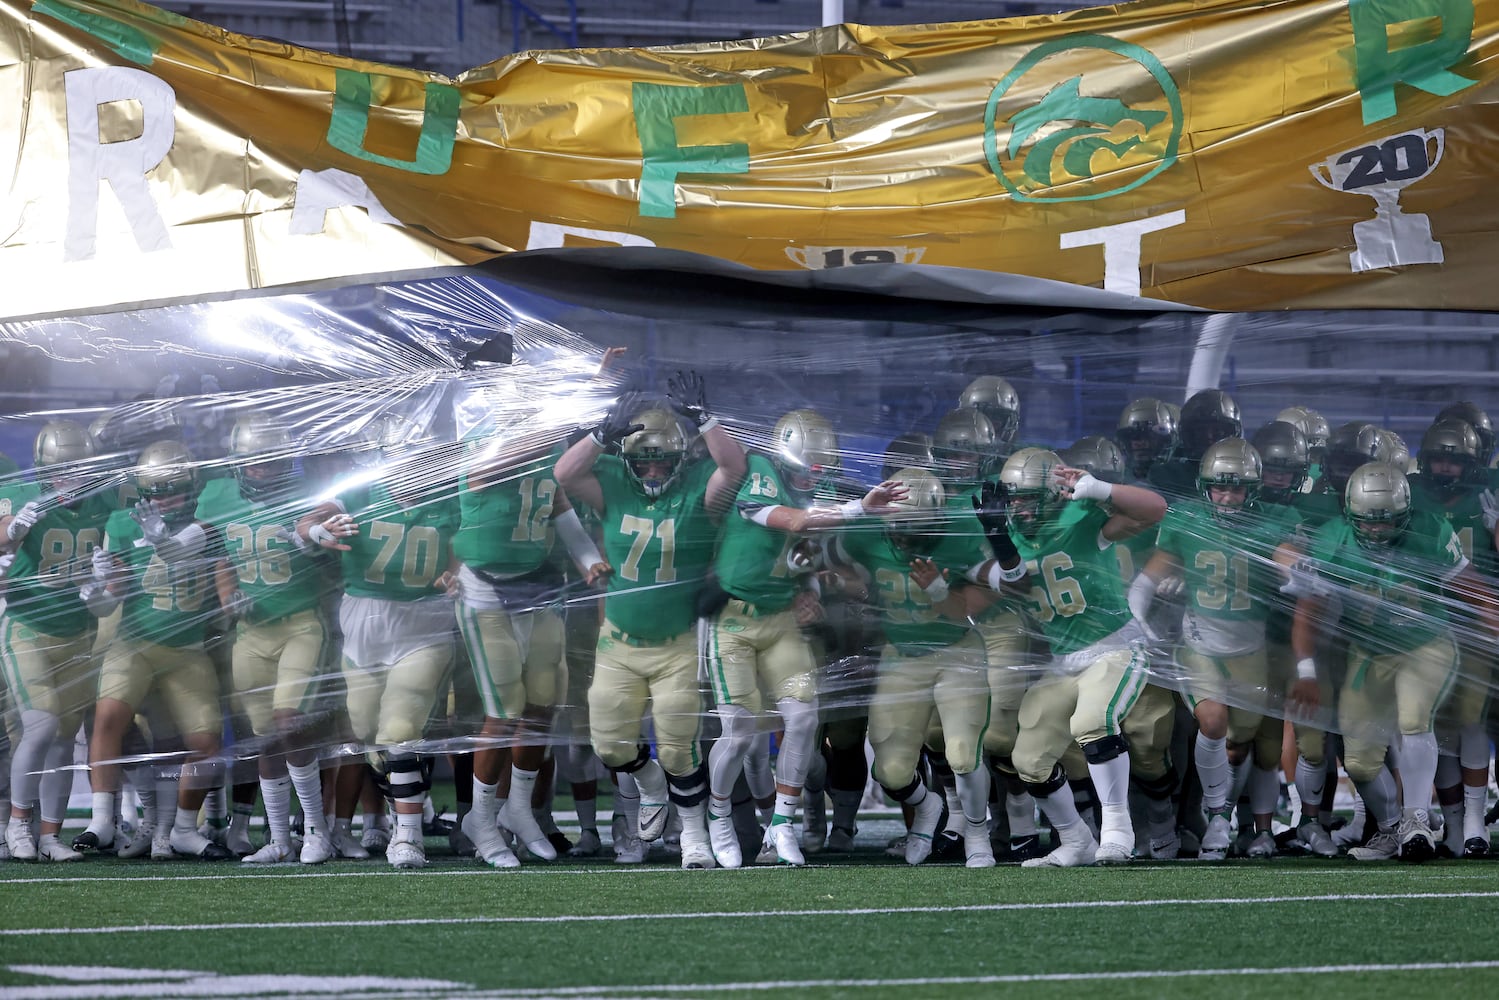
123, 164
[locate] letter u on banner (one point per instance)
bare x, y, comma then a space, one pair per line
352, 96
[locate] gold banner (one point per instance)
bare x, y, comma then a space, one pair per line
1232, 155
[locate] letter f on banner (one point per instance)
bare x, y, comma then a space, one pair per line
123, 164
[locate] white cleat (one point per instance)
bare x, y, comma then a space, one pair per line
406, 850
271, 853
1078, 853
1113, 852
780, 838
725, 842
1317, 839
1383, 846
978, 851
923, 828
588, 846
375, 838
192, 844
1216, 841
1262, 846
49, 848
1167, 847
654, 801
316, 848
4, 850
19, 839
697, 855
161, 843
518, 818
489, 845
345, 846
238, 842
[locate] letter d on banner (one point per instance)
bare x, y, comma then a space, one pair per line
123, 164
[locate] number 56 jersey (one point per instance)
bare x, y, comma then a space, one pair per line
1077, 594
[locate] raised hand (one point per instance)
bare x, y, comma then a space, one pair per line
688, 395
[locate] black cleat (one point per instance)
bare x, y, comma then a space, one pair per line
947, 846
1417, 849
559, 843
1025, 848
216, 852
1476, 847
87, 841
436, 826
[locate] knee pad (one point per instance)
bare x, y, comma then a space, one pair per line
904, 792
737, 730
402, 776
690, 789
642, 757
1041, 789
1363, 764
1104, 750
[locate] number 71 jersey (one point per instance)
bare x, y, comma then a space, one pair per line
1077, 594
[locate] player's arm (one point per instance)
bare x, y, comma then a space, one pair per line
1142, 589
807, 520
687, 394
327, 525
843, 573
575, 539
1135, 507
574, 470
187, 542
102, 594
950, 602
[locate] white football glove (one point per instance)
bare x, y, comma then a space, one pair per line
1302, 580
103, 564
24, 521
1490, 504
7, 560
153, 525
1089, 488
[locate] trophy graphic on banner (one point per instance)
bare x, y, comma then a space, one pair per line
1382, 170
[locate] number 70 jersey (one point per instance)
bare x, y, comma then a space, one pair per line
400, 551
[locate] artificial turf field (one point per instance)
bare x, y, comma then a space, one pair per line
856, 925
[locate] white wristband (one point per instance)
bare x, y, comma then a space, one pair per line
1089, 488
937, 590
707, 425
998, 575
1306, 669
852, 509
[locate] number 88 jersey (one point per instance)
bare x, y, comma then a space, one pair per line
53, 560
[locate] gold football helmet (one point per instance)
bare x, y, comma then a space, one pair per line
1097, 455
804, 448
996, 399
1227, 467
1377, 502
263, 453
1351, 445
906, 451
1146, 432
654, 455
167, 475
1477, 419
1286, 460
918, 525
1207, 418
1314, 428
1029, 476
962, 446
1448, 459
63, 458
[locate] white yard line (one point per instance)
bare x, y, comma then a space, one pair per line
582, 918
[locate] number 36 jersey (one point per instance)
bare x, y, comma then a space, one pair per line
400, 551
1077, 594
280, 579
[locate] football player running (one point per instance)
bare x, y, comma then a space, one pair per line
49, 531
509, 614
1224, 544
660, 518
271, 584
1450, 484
394, 537
929, 569
1395, 569
755, 641
159, 563
1064, 522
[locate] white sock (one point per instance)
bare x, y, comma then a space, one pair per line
484, 801
973, 791
1111, 782
522, 786
307, 779
954, 811
1060, 808
411, 823
1264, 790
1213, 772
1418, 769
103, 820
276, 794
786, 807
1475, 799
719, 806
1379, 799
1452, 832
186, 822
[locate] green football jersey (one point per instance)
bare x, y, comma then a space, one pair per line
1316, 509
1392, 597
1175, 477
54, 560
660, 549
1464, 513
751, 562
910, 623
168, 605
400, 551
1227, 567
1077, 594
280, 579
506, 525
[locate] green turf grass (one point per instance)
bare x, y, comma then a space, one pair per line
719, 933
